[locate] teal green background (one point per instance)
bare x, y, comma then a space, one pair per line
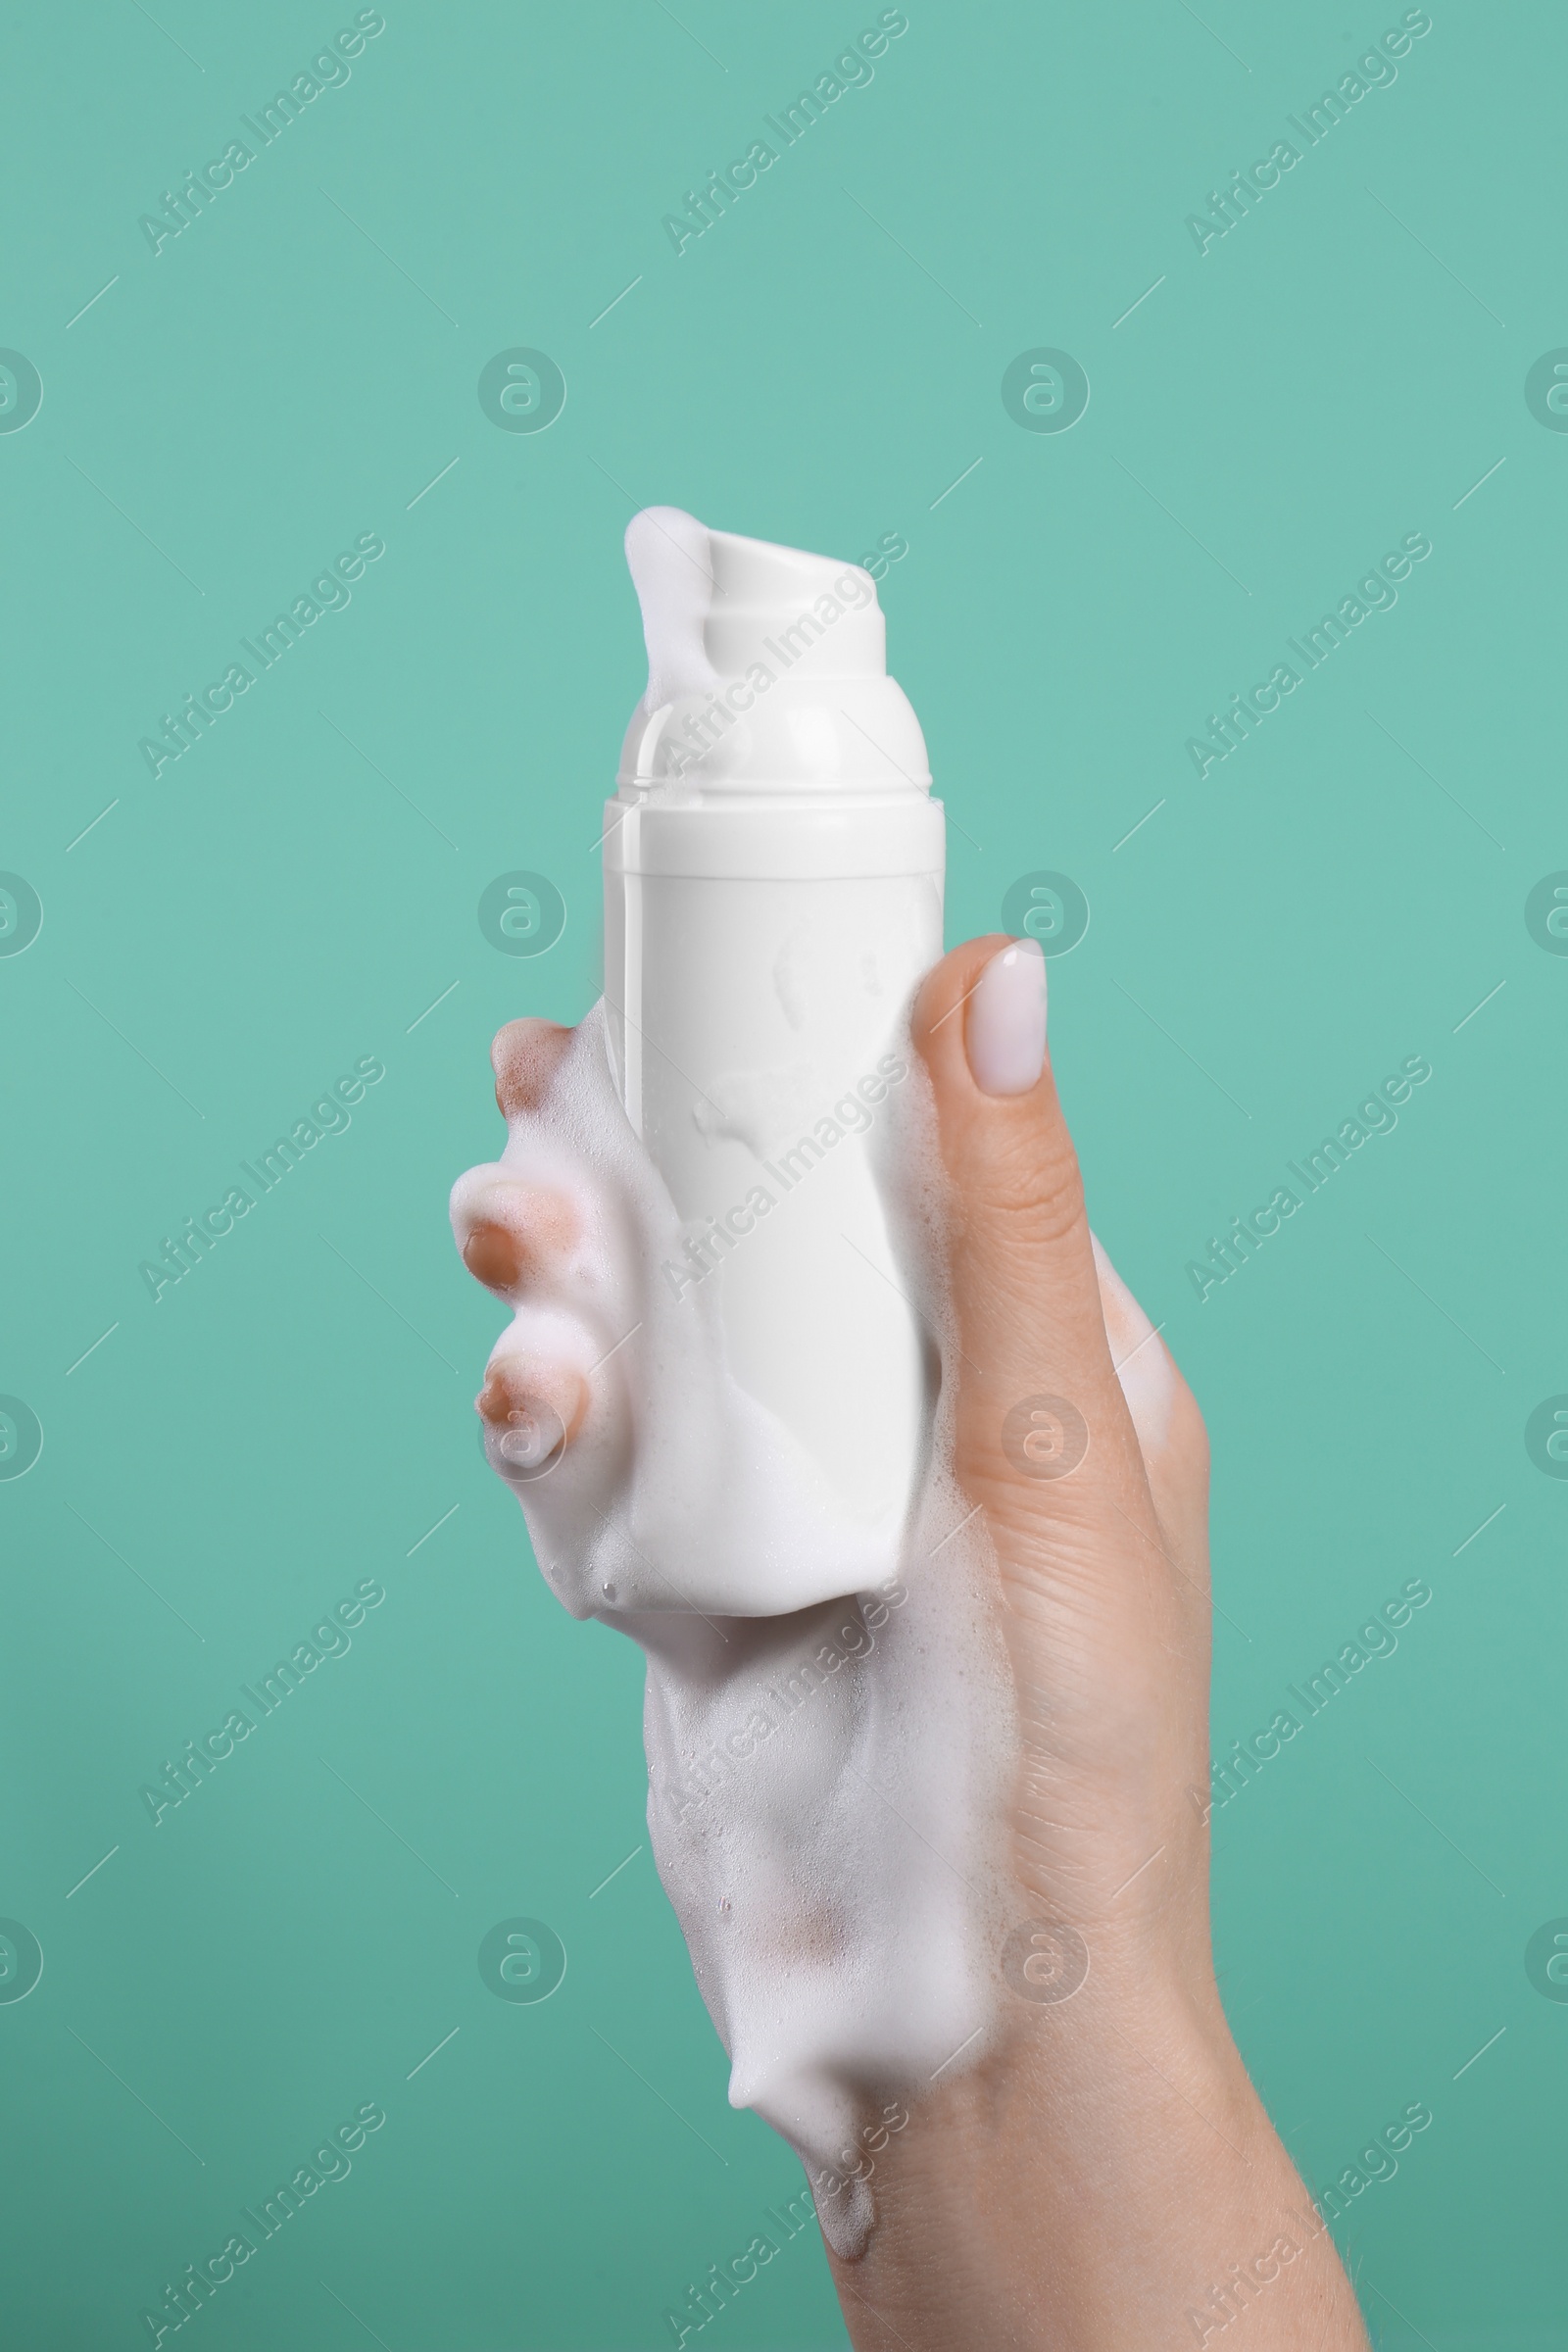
300, 889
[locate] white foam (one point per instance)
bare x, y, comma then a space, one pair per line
829, 1720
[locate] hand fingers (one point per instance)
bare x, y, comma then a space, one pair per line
521, 1239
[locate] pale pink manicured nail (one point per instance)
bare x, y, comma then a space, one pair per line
1004, 1033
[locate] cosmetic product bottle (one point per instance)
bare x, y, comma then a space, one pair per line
773, 872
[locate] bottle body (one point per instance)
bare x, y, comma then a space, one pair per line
760, 961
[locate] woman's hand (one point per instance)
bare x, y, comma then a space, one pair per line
1106, 2177
995, 1807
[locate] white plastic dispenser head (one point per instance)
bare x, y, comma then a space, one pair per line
766, 670
773, 869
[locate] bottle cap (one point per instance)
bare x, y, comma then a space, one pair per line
766, 673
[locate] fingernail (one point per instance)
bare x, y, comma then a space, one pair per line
1004, 1032
491, 1255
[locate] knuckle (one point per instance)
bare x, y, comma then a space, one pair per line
466, 1203
510, 1233
1034, 1183
492, 1256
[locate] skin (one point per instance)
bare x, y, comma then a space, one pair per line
1104, 2170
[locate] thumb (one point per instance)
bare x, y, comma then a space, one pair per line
1106, 1629
1043, 1438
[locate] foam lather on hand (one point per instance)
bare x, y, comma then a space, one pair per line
720, 1401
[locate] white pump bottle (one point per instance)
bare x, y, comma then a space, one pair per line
773, 872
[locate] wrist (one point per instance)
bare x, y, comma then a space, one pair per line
1060, 2178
